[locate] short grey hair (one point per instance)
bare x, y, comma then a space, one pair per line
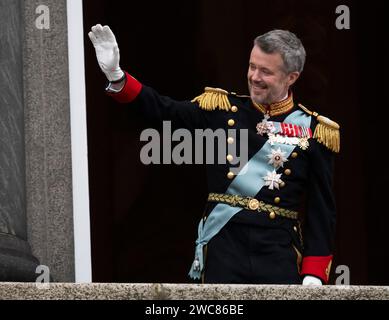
287, 45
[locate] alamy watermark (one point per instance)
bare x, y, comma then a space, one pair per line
343, 20
43, 19
208, 140
43, 280
344, 275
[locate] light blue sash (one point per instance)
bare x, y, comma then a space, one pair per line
248, 184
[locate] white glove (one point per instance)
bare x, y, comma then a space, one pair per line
107, 51
309, 281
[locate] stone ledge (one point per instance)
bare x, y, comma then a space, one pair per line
113, 291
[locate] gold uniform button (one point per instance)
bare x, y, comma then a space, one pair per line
294, 155
277, 200
282, 184
234, 109
253, 204
272, 215
230, 175
288, 172
230, 140
230, 158
231, 123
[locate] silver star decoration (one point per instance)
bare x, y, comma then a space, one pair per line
277, 158
265, 127
273, 180
303, 143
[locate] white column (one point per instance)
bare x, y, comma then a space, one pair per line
82, 239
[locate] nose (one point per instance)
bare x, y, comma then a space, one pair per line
256, 76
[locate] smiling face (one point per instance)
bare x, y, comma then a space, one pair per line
268, 81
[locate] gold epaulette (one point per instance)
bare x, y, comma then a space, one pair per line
326, 132
212, 99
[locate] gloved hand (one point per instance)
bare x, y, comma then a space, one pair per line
107, 51
309, 280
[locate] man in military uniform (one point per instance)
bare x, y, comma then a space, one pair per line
250, 232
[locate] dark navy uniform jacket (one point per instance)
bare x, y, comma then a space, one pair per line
306, 188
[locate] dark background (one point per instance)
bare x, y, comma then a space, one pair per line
144, 219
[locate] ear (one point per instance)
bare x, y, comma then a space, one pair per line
292, 77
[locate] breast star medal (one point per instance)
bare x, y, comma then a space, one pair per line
277, 158
273, 180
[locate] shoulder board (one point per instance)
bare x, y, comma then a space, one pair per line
326, 131
212, 99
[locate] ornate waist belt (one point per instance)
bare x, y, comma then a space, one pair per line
252, 204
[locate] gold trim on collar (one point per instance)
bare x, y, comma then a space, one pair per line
277, 108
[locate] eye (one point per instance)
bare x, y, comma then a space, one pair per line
266, 71
252, 67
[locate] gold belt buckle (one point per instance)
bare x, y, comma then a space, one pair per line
253, 204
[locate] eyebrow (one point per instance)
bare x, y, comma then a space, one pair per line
263, 68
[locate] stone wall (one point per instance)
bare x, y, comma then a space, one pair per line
36, 206
16, 261
48, 143
187, 292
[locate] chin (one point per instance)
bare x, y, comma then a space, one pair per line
258, 99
